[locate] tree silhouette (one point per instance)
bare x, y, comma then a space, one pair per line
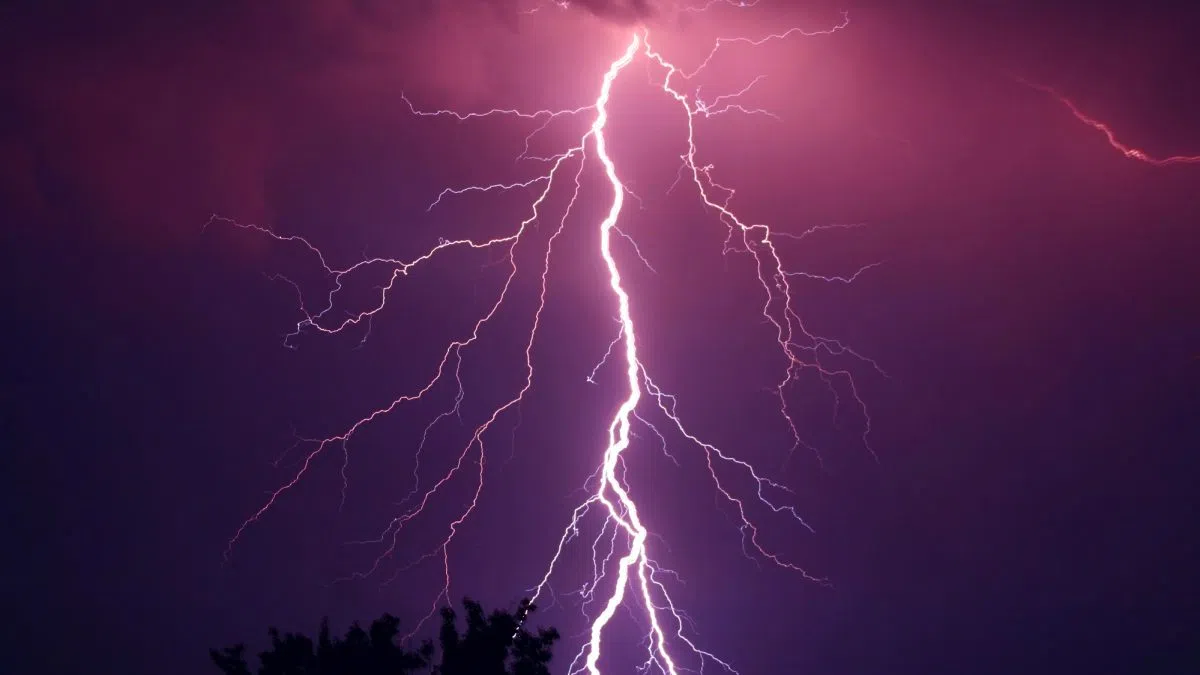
493, 644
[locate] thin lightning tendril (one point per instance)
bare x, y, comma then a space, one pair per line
621, 560
1128, 151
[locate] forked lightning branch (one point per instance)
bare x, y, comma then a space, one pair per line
608, 521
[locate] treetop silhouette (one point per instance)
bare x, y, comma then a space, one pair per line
493, 644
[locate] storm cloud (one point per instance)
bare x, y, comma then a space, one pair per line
216, 94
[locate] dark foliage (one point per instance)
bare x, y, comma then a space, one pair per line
493, 644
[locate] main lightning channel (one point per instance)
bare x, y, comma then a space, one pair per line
618, 430
637, 575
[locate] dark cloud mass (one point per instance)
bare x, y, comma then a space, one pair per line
108, 95
618, 10
105, 97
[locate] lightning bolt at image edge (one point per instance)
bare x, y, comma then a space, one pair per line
1128, 151
623, 533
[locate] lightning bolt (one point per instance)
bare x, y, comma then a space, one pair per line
623, 567
1126, 150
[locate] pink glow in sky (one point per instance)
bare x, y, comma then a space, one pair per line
1016, 259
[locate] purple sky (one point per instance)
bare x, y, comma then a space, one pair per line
1036, 312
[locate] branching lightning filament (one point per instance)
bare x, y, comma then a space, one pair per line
1128, 151
625, 573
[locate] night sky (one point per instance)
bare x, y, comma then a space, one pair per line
1031, 505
